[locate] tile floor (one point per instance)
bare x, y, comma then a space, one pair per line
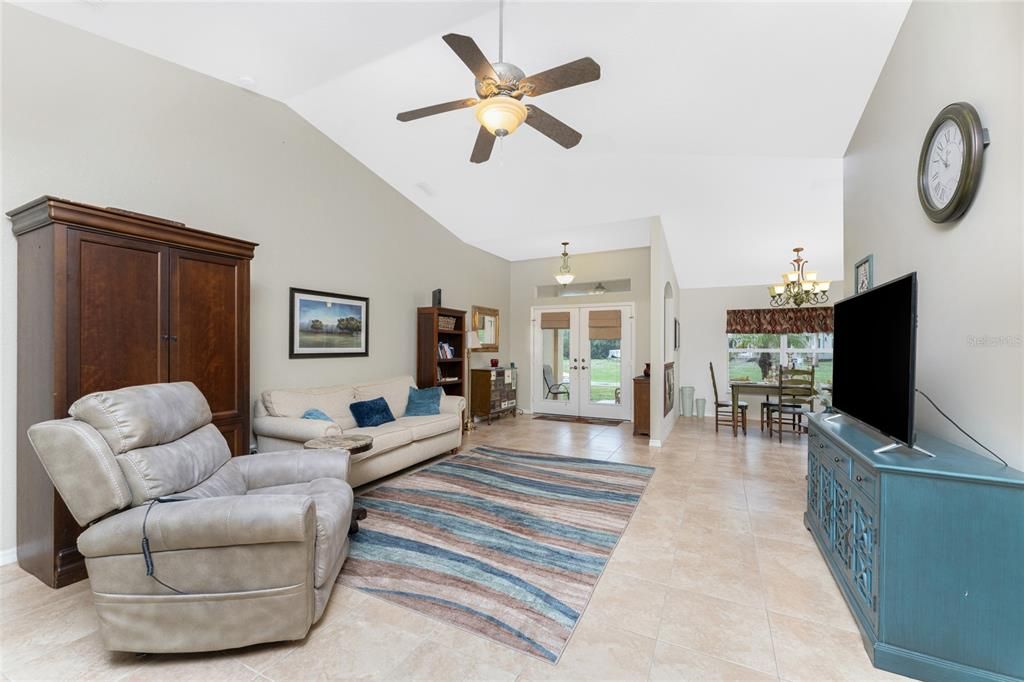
715, 579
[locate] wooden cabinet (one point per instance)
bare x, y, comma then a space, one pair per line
926, 550
434, 368
493, 392
641, 406
107, 299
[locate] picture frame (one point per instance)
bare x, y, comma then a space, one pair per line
322, 324
486, 323
864, 274
670, 387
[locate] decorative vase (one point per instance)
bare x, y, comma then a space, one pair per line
647, 369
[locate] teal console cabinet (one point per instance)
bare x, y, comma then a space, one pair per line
928, 552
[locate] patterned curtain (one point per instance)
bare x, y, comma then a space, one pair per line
779, 320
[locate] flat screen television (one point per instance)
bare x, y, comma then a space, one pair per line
874, 350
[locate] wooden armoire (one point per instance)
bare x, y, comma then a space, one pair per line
108, 298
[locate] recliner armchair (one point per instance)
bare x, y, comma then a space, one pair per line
250, 555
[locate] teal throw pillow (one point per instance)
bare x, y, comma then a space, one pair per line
424, 402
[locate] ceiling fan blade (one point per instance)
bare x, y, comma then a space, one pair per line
565, 76
545, 123
482, 148
436, 109
470, 54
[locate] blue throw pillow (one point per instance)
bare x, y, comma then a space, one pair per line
423, 402
371, 412
316, 414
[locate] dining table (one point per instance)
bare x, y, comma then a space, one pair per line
751, 387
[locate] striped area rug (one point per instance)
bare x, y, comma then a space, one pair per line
504, 543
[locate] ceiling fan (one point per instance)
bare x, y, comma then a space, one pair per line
500, 87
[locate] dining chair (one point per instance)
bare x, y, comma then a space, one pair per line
796, 400
769, 398
723, 408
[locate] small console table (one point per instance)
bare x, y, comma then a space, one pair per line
493, 392
928, 552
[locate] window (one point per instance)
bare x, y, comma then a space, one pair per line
757, 357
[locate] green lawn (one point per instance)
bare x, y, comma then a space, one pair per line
605, 377
749, 371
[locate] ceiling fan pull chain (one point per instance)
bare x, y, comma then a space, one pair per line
501, 30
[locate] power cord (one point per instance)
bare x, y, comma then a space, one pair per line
958, 428
146, 554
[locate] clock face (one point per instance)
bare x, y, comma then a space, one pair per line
945, 161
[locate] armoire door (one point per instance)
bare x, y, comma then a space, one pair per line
116, 313
209, 336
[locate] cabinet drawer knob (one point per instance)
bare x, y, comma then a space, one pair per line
836, 460
859, 478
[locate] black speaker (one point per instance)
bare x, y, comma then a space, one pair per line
436, 298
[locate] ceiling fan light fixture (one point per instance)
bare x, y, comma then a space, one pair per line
501, 114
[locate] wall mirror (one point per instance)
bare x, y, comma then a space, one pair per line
485, 324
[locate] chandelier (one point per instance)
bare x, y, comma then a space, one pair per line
799, 286
565, 276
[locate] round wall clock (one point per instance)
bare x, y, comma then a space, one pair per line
950, 164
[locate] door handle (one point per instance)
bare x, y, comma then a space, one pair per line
168, 337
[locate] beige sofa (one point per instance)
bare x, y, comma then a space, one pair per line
278, 425
246, 550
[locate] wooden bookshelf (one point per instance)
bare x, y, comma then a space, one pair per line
431, 368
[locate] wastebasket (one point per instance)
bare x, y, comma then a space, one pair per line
701, 404
686, 400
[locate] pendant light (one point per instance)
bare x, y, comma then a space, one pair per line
565, 276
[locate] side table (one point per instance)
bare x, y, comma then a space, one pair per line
354, 444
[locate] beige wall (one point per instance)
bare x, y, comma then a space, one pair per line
970, 271
527, 275
664, 308
702, 316
94, 121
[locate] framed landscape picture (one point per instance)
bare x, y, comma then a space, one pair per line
326, 325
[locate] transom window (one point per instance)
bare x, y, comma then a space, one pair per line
757, 357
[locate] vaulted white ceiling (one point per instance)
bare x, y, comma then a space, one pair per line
727, 121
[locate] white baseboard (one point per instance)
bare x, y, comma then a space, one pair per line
654, 443
8, 556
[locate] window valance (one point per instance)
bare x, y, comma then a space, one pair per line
779, 321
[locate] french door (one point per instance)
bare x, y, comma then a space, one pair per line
582, 362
